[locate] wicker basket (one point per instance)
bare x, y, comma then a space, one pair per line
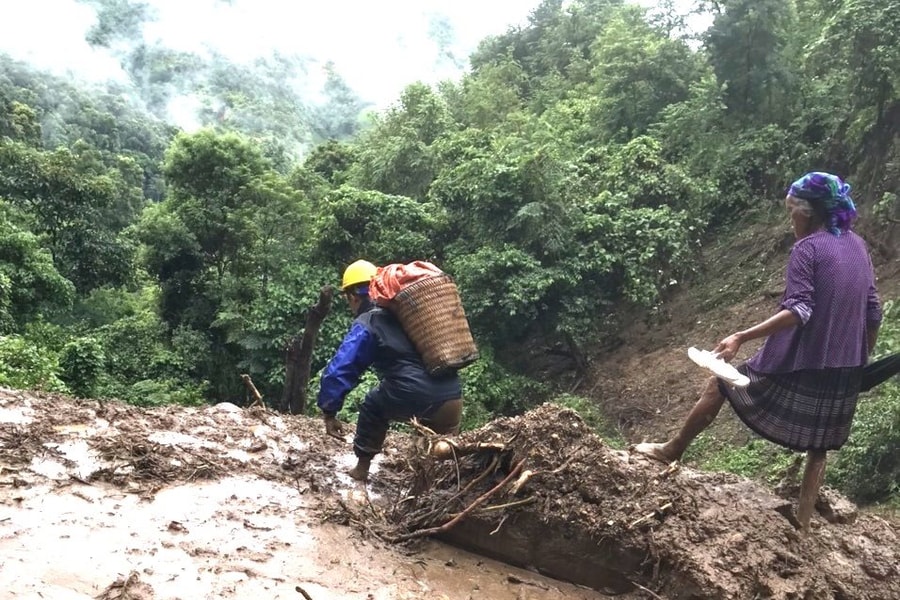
432, 315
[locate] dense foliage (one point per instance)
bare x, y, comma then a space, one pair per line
570, 175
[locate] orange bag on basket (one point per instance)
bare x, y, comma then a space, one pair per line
392, 279
427, 304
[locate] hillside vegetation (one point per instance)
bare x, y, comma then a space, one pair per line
569, 183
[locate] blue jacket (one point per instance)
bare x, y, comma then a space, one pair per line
376, 339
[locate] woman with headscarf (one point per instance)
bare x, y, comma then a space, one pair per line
805, 379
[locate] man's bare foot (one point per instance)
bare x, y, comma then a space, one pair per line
361, 471
654, 451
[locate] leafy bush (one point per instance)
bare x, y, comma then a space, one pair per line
753, 167
867, 468
264, 329
26, 365
81, 365
757, 459
160, 392
503, 290
489, 391
379, 227
147, 366
30, 284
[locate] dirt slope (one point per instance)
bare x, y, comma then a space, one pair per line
647, 384
620, 523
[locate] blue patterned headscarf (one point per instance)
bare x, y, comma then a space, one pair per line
831, 192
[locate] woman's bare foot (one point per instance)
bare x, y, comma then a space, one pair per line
654, 451
361, 471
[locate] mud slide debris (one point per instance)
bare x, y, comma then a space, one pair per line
539, 491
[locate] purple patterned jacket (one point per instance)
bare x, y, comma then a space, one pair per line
831, 288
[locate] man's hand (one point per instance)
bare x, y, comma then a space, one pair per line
334, 428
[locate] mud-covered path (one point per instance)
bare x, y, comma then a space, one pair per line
233, 538
216, 502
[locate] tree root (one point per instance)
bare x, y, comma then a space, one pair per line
455, 520
439, 495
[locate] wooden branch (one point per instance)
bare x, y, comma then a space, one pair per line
503, 506
452, 522
495, 461
251, 389
528, 500
445, 448
424, 430
500, 524
299, 355
303, 592
672, 468
658, 514
648, 591
529, 474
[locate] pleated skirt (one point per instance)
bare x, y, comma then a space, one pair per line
803, 410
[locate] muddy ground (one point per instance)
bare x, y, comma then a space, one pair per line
119, 502
114, 501
620, 523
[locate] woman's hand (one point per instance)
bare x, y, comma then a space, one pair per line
728, 348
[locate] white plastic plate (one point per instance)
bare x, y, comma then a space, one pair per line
718, 367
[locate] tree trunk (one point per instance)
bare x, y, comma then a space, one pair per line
581, 363
299, 355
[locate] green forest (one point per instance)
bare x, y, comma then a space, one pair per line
570, 178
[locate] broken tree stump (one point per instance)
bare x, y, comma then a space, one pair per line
299, 355
252, 391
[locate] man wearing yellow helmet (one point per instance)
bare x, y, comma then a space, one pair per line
405, 390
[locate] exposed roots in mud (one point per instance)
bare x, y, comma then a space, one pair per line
433, 510
443, 481
134, 460
612, 520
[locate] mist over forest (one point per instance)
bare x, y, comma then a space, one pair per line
274, 72
170, 209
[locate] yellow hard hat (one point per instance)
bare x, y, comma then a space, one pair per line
362, 271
